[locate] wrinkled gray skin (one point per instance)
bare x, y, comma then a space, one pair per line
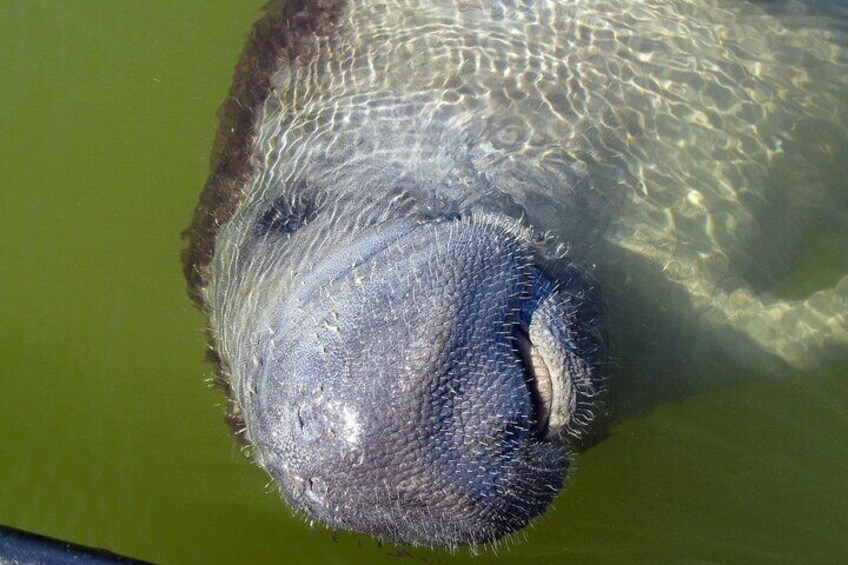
407, 274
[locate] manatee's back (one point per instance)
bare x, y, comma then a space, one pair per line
667, 118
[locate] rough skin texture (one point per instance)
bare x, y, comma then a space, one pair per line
390, 397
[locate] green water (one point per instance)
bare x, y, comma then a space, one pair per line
111, 437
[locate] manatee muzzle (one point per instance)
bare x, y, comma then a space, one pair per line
420, 384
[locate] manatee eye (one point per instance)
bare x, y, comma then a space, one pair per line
285, 215
538, 377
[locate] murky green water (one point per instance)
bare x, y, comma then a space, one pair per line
110, 436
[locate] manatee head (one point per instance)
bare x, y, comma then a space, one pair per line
419, 383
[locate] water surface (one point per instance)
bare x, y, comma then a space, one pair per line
111, 436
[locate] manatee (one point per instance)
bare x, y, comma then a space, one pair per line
420, 214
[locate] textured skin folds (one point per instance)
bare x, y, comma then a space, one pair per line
405, 197
400, 407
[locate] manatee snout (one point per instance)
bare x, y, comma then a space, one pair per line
417, 385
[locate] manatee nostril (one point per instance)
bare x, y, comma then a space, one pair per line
538, 378
316, 490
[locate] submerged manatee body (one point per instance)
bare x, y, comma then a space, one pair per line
406, 199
